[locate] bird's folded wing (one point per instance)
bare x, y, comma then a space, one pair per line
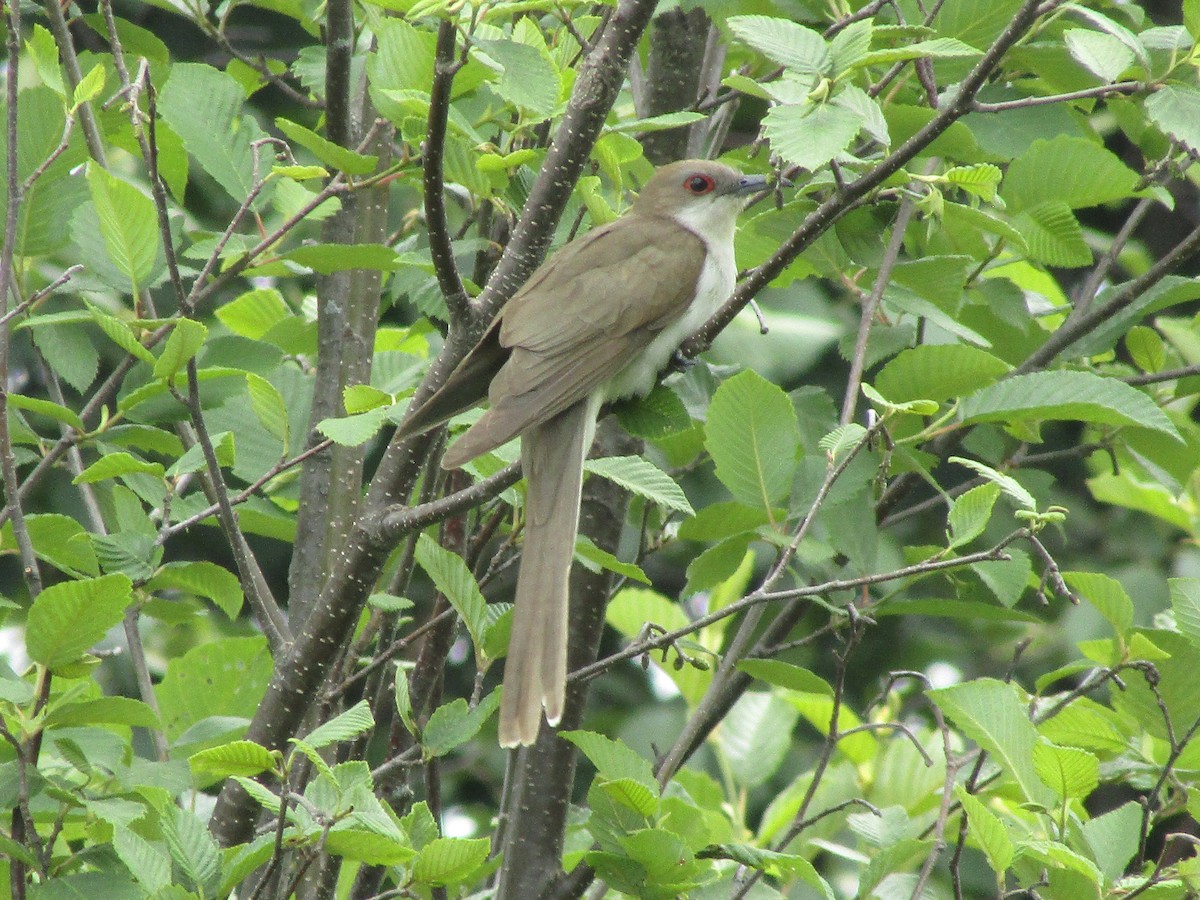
572, 329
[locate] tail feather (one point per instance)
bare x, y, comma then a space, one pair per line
535, 673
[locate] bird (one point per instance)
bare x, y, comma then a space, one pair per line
597, 322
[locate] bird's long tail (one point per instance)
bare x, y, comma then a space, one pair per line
535, 673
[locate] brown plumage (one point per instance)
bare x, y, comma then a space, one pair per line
598, 321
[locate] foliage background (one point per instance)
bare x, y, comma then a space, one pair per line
924, 553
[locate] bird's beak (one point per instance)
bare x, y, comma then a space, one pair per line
750, 184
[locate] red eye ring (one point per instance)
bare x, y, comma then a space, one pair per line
699, 184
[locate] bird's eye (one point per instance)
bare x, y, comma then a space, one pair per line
699, 184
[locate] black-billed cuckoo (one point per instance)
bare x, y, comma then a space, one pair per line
597, 322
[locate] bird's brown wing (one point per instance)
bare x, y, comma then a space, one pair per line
581, 319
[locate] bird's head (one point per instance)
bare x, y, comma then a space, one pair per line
702, 195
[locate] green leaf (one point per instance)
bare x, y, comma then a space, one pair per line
936, 48
1175, 108
937, 372
226, 677
842, 440
755, 736
454, 723
753, 437
642, 478
1107, 595
120, 333
41, 48
1113, 838
204, 579
1185, 603
329, 258
89, 87
528, 79
971, 513
192, 849
107, 710
1101, 54
114, 465
787, 43
1052, 235
444, 861
810, 135
718, 521
1006, 483
1071, 170
785, 675
203, 105
57, 539
595, 559
235, 758
145, 862
128, 224
46, 408
990, 713
664, 122
269, 407
657, 415
67, 619
1078, 396
1072, 773
988, 831
613, 759
351, 431
255, 312
359, 398
185, 341
981, 179
348, 724
454, 580
193, 459
329, 153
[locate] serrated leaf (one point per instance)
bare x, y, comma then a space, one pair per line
192, 460
786, 675
1006, 483
185, 341
349, 724
1101, 54
327, 151
1107, 595
981, 179
718, 521
971, 513
1073, 396
254, 313
452, 577
810, 135
613, 759
192, 849
455, 723
120, 333
643, 478
787, 43
114, 465
595, 559
46, 408
67, 619
106, 710
235, 758
988, 831
269, 407
204, 579
528, 79
657, 415
89, 86
1113, 838
1067, 170
351, 431
145, 862
936, 48
1175, 108
128, 222
1185, 603
990, 713
1053, 235
842, 440
329, 258
1071, 773
445, 861
753, 437
57, 539
360, 398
